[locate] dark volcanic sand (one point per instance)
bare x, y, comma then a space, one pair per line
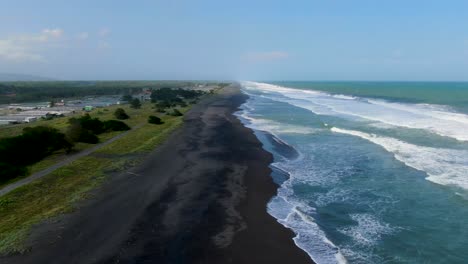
198, 198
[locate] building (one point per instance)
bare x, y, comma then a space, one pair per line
88, 108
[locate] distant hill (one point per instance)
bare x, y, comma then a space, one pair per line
13, 77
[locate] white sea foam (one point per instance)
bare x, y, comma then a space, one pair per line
443, 166
368, 231
285, 207
296, 215
293, 210
271, 126
276, 127
435, 119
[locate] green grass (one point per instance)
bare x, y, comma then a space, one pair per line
59, 191
45, 198
137, 116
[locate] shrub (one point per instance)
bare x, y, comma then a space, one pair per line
154, 120
135, 103
92, 124
115, 125
76, 133
120, 114
34, 144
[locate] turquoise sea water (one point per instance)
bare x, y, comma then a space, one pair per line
381, 174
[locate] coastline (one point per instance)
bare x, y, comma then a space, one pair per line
200, 197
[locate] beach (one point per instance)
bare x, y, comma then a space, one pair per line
200, 197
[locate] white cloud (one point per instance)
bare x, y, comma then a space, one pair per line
20, 48
266, 56
83, 36
104, 32
52, 33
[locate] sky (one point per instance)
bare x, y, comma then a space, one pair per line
236, 40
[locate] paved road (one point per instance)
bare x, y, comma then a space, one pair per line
62, 163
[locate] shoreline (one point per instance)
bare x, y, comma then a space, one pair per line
200, 197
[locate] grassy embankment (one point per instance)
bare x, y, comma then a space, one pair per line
137, 116
59, 191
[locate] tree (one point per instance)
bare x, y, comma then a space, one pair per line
120, 114
76, 133
154, 120
92, 124
163, 94
34, 144
135, 103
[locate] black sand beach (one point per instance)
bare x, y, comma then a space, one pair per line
198, 198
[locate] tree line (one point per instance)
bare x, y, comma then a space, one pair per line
16, 92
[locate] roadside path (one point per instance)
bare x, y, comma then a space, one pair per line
62, 163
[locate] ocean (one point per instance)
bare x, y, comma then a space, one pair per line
369, 172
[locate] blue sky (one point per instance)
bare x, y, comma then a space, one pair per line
242, 40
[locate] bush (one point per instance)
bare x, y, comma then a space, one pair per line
76, 133
154, 120
120, 114
34, 144
135, 103
85, 129
92, 124
175, 112
115, 125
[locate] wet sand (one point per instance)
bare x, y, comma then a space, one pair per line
198, 198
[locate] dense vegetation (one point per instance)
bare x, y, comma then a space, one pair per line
85, 129
15, 92
166, 98
36, 143
16, 153
173, 96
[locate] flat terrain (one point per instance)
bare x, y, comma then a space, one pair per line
200, 197
59, 191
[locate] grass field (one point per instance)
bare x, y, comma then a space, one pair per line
59, 191
137, 116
